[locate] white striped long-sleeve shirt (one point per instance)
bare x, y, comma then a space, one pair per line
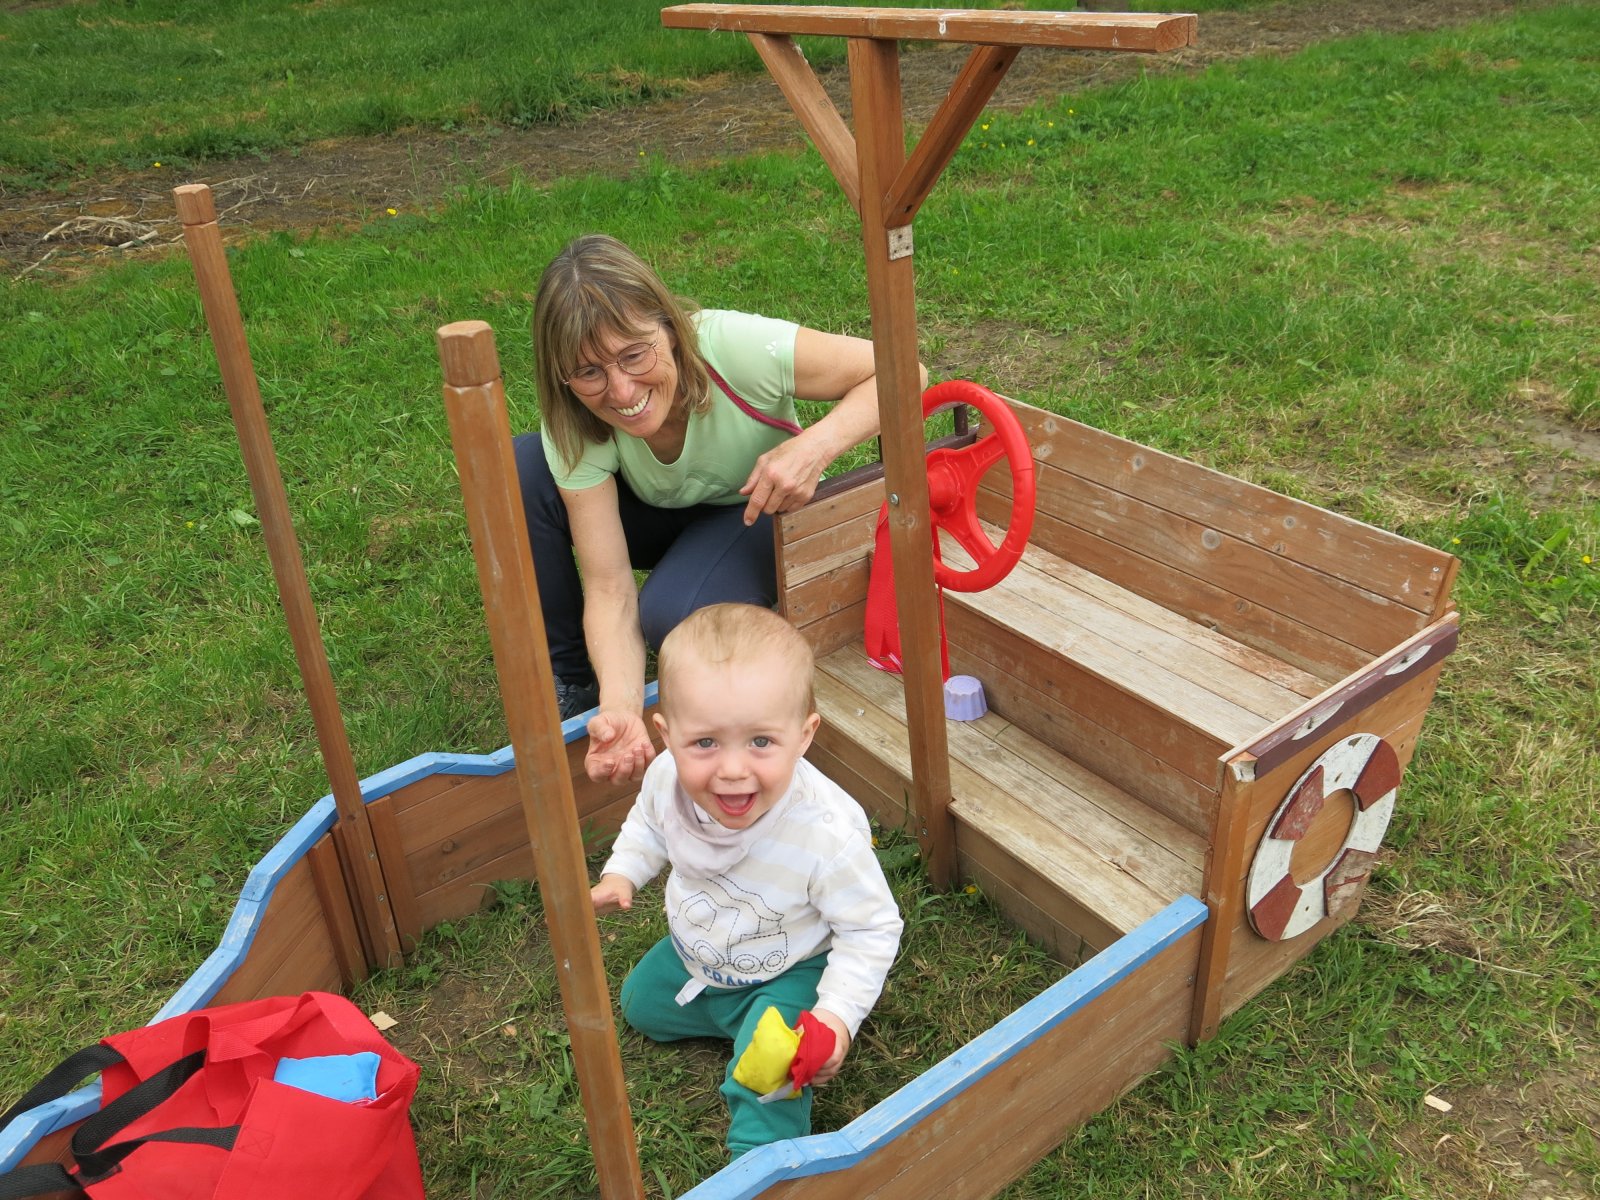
810, 882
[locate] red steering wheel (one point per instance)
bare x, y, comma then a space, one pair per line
953, 477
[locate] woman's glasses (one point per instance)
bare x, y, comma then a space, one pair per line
590, 379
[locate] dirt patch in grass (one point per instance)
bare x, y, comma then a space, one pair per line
331, 185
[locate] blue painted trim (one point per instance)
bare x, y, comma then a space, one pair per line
919, 1099
19, 1137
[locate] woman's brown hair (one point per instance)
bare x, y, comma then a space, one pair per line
597, 288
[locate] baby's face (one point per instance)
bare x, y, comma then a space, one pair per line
736, 732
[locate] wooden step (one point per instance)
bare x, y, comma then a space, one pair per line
1060, 841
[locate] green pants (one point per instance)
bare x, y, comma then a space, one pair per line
649, 1004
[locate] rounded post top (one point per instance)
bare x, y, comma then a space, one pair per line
467, 353
195, 204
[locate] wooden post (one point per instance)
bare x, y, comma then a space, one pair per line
475, 402
359, 857
880, 147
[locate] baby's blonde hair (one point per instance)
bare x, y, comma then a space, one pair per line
727, 633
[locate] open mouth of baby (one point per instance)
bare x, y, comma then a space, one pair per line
736, 804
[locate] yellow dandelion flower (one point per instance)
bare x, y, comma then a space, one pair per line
1587, 559
391, 212
188, 524
970, 890
1030, 141
985, 128
158, 164
1455, 541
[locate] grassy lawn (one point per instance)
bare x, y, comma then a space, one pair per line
124, 83
1365, 275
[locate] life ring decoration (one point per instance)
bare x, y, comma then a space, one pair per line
1280, 908
953, 477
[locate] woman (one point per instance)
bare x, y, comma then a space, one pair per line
669, 439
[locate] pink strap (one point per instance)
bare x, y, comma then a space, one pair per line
747, 408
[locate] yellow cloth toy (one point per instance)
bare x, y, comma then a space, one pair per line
764, 1065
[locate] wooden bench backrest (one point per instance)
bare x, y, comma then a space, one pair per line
1321, 591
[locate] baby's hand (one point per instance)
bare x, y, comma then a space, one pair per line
612, 893
841, 1046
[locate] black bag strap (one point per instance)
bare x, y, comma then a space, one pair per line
108, 1159
47, 1179
89, 1140
71, 1071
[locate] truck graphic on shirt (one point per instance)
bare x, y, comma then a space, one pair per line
735, 936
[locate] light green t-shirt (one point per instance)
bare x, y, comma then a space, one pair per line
756, 356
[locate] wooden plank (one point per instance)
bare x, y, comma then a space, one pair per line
1172, 672
337, 913
480, 435
1190, 750
843, 587
1132, 1039
1385, 564
828, 549
1165, 789
1423, 652
1028, 1103
292, 936
441, 860
837, 630
467, 892
396, 870
1252, 961
984, 850
1144, 32
1147, 823
836, 508
198, 213
1076, 581
1199, 600
1065, 796
814, 107
1347, 611
985, 67
1096, 877
1045, 931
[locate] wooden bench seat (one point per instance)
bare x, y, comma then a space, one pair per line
1208, 681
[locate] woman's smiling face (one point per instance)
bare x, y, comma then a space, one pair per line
641, 404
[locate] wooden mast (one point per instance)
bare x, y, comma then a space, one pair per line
475, 402
353, 833
886, 188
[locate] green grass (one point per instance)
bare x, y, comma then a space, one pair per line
128, 83
481, 1007
1363, 275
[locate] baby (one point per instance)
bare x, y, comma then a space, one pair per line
774, 896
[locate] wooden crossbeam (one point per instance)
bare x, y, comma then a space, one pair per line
1151, 33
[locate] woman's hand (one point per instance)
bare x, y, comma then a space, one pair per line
841, 1046
619, 747
784, 477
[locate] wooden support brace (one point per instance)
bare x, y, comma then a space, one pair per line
475, 402
985, 67
198, 212
798, 82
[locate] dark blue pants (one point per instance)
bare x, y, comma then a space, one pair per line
696, 556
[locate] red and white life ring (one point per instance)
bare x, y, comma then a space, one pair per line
1279, 907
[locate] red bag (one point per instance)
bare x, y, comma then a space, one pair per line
190, 1111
